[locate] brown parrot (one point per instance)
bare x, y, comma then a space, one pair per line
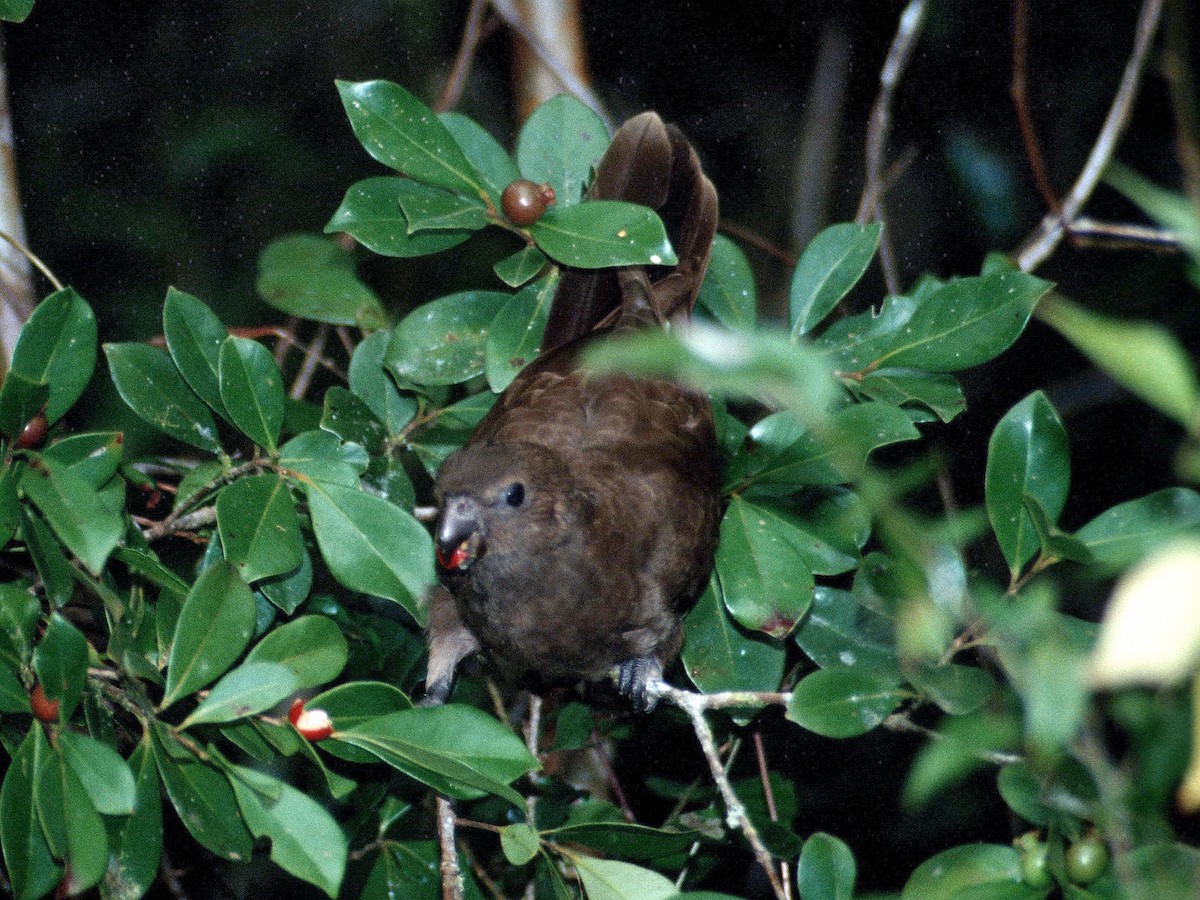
579, 521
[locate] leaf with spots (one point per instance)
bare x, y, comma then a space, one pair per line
57, 346
516, 332
844, 702
443, 341
561, 144
260, 533
719, 655
603, 233
371, 214
152, 387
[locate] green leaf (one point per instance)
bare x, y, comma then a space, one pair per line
57, 346
371, 384
348, 417
561, 144
252, 390
13, 697
1122, 535
260, 532
313, 277
1027, 454
20, 614
15, 10
493, 165
60, 662
830, 266
457, 750
94, 457
956, 689
1142, 357
843, 702
322, 456
10, 505
838, 631
448, 429
953, 326
720, 656
1170, 209
443, 341
203, 799
623, 838
965, 744
401, 132
63, 803
311, 646
194, 336
152, 387
288, 590
305, 839
516, 332
728, 291
351, 704
214, 628
938, 392
517, 269
74, 510
250, 688
519, 842
48, 557
32, 872
953, 872
1055, 543
603, 233
826, 870
136, 842
20, 400
146, 564
766, 581
610, 879
105, 776
372, 545
428, 208
371, 214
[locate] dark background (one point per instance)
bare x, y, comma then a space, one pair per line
167, 143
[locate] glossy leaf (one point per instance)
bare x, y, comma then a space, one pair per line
203, 799
370, 213
305, 839
152, 387
322, 456
830, 266
491, 162
10, 505
15, 10
1027, 454
57, 346
194, 336
104, 775
20, 615
458, 750
87, 526
965, 744
250, 688
13, 696
765, 579
260, 533
20, 400
720, 656
146, 564
313, 278
938, 392
48, 557
624, 839
136, 841
401, 132
288, 590
353, 703
371, 545
517, 269
32, 871
603, 233
826, 870
448, 429
428, 208
94, 457
840, 632
60, 661
1124, 534
953, 872
371, 384
561, 144
312, 647
843, 702
1055, 543
443, 341
519, 843
72, 825
728, 291
252, 390
348, 417
516, 332
610, 879
214, 628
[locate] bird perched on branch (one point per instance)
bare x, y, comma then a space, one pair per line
578, 523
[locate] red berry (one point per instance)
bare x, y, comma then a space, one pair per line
525, 201
313, 724
33, 435
44, 709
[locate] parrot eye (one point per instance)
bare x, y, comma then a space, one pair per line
514, 494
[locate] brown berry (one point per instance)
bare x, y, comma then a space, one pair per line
313, 724
33, 435
44, 709
525, 201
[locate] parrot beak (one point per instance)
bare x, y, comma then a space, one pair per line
459, 533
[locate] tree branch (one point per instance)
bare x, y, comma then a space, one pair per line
452, 879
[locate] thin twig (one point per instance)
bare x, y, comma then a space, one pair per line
311, 358
533, 730
756, 240
1088, 232
33, 258
1054, 226
600, 754
199, 518
902, 724
1020, 99
880, 122
735, 813
764, 774
1182, 88
452, 879
457, 79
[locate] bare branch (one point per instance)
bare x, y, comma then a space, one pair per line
472, 33
452, 879
1049, 234
312, 357
1020, 98
1184, 101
